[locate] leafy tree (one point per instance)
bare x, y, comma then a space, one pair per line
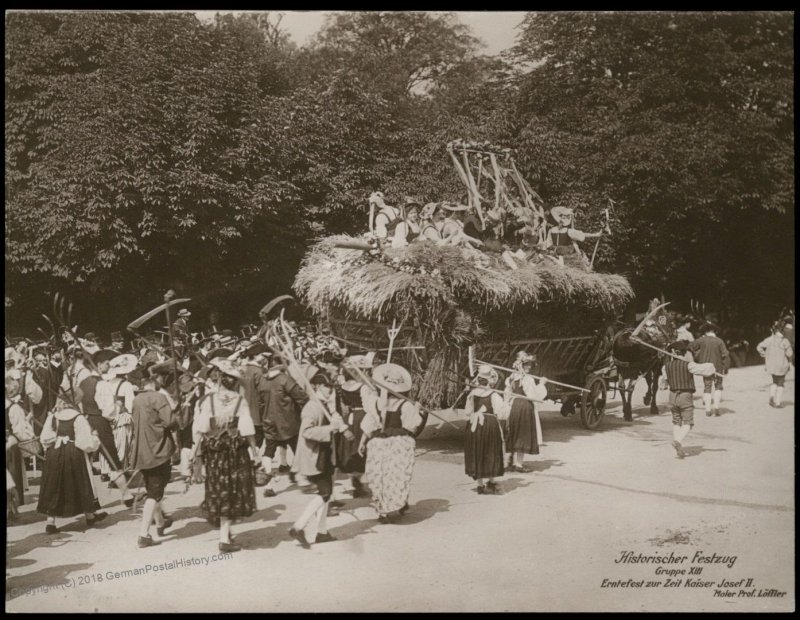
686, 121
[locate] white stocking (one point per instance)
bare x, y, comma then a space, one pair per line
676, 432
707, 402
717, 398
772, 391
225, 530
685, 428
310, 509
778, 395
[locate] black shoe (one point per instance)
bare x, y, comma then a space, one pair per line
167, 523
383, 519
104, 478
229, 547
128, 502
147, 541
284, 469
493, 489
300, 536
269, 493
678, 449
333, 512
336, 504
326, 537
98, 516
292, 478
708, 414
481, 490
50, 529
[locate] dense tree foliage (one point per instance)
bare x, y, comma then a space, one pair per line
147, 151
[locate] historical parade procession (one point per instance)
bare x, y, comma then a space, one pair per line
476, 342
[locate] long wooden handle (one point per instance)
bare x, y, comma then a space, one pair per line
567, 385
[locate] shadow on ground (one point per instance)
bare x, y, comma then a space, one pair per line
40, 581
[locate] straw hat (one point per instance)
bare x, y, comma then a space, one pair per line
184, 313
226, 367
122, 364
394, 376
454, 206
558, 212
490, 374
427, 210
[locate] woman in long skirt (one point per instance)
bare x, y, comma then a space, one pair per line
225, 428
66, 489
353, 393
524, 428
19, 430
389, 427
483, 437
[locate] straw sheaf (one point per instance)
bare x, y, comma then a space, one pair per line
338, 276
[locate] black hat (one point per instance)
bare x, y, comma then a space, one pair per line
708, 326
221, 352
320, 378
255, 349
104, 355
329, 357
679, 346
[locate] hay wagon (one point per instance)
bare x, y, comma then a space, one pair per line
447, 300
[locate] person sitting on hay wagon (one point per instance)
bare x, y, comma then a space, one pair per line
453, 227
408, 228
483, 437
564, 237
388, 217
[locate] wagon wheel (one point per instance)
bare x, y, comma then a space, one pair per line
593, 403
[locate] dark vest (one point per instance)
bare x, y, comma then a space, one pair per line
678, 376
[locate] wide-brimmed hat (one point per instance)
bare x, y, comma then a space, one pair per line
411, 202
183, 312
557, 212
428, 209
122, 364
164, 368
394, 376
226, 367
258, 348
454, 206
490, 374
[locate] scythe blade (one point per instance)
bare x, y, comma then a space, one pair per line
136, 324
649, 316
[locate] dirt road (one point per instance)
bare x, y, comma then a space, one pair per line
552, 542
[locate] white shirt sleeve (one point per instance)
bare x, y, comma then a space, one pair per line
371, 423
48, 434
245, 424
33, 389
576, 235
104, 398
400, 233
532, 390
409, 416
381, 221
500, 406
20, 426
202, 419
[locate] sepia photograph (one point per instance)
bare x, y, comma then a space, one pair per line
399, 311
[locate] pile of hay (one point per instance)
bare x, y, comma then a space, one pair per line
461, 298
